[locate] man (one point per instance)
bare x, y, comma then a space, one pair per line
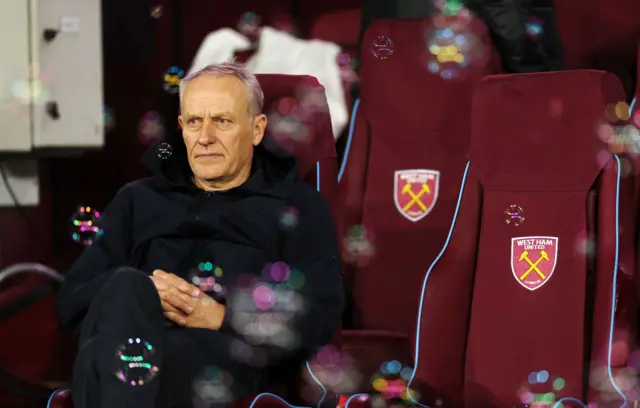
217, 200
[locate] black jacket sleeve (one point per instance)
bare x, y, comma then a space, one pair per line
311, 248
94, 266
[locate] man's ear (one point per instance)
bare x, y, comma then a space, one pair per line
180, 123
259, 126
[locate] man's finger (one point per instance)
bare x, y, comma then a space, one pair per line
176, 301
167, 307
176, 318
181, 284
161, 284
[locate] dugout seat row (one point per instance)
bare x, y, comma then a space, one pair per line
538, 273
483, 328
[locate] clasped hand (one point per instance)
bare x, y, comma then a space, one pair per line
185, 304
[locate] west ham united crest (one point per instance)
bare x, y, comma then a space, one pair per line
415, 192
533, 260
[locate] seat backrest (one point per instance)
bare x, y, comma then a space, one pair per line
403, 163
299, 122
538, 233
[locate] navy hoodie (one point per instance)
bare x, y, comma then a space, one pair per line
165, 222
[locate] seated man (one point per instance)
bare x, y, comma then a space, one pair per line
154, 334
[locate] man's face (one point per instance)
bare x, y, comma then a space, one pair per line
219, 130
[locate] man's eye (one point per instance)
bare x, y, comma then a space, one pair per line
224, 121
192, 121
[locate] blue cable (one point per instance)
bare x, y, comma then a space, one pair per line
633, 103
354, 396
318, 176
352, 125
268, 394
53, 395
614, 294
426, 278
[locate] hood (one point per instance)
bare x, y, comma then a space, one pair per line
273, 171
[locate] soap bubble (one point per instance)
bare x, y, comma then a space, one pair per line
534, 27
209, 279
359, 246
289, 218
164, 150
156, 11
382, 47
249, 24
136, 362
514, 215
108, 119
213, 388
85, 226
151, 128
452, 46
172, 79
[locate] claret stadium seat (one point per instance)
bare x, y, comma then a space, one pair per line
399, 177
536, 283
299, 123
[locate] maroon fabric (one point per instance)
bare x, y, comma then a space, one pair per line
341, 27
536, 150
318, 146
611, 47
407, 119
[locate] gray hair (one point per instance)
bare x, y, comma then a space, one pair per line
255, 94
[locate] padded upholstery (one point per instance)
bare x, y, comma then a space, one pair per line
316, 158
407, 119
319, 145
611, 47
498, 326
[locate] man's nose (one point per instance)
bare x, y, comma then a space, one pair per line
208, 134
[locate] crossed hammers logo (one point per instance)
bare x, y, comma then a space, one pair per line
415, 198
533, 266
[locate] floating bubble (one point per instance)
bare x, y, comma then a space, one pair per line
108, 119
85, 226
391, 382
542, 376
358, 245
209, 279
136, 362
249, 24
585, 245
279, 272
156, 11
31, 88
172, 79
213, 388
164, 150
558, 384
534, 27
151, 128
382, 47
289, 218
288, 127
452, 47
514, 215
263, 297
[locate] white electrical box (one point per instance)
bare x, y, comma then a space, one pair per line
51, 84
